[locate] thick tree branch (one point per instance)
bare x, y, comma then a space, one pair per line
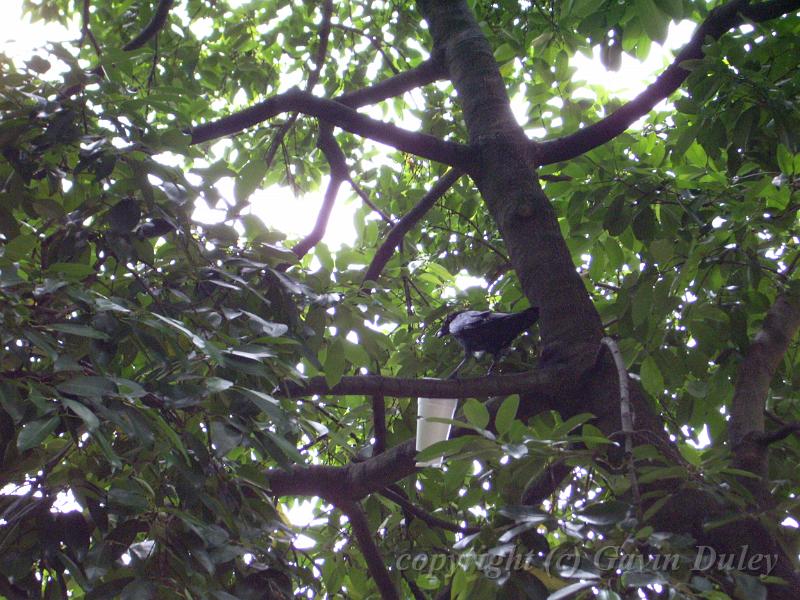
752, 384
720, 20
354, 481
372, 556
349, 483
339, 173
398, 232
340, 115
153, 27
547, 381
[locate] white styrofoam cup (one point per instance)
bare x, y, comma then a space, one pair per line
428, 433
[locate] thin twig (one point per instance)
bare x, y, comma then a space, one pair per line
425, 516
86, 32
626, 416
365, 199
404, 225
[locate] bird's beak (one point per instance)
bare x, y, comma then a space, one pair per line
442, 332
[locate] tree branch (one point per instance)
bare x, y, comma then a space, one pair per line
153, 27
379, 423
313, 79
626, 418
545, 381
339, 173
398, 232
427, 72
720, 20
86, 32
779, 434
340, 115
372, 556
425, 516
349, 483
365, 199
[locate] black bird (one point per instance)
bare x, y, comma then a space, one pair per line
486, 331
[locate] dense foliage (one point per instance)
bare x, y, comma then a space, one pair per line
143, 354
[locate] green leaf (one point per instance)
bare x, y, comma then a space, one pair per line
506, 414
91, 420
21, 247
35, 432
88, 387
177, 325
504, 53
655, 23
652, 380
604, 513
476, 413
445, 447
334, 363
70, 271
785, 160
79, 330
650, 475
124, 216
217, 384
248, 180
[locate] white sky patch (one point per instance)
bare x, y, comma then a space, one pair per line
66, 502
303, 514
19, 38
633, 75
464, 280
702, 439
280, 210
790, 522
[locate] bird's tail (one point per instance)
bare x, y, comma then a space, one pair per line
528, 317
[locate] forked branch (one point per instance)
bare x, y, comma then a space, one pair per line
340, 115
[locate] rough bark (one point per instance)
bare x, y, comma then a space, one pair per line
746, 429
502, 171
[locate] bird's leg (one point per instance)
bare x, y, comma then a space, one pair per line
492, 366
458, 368
495, 359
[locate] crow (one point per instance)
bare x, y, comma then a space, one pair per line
486, 331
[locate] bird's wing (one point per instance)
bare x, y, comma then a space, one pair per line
469, 320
